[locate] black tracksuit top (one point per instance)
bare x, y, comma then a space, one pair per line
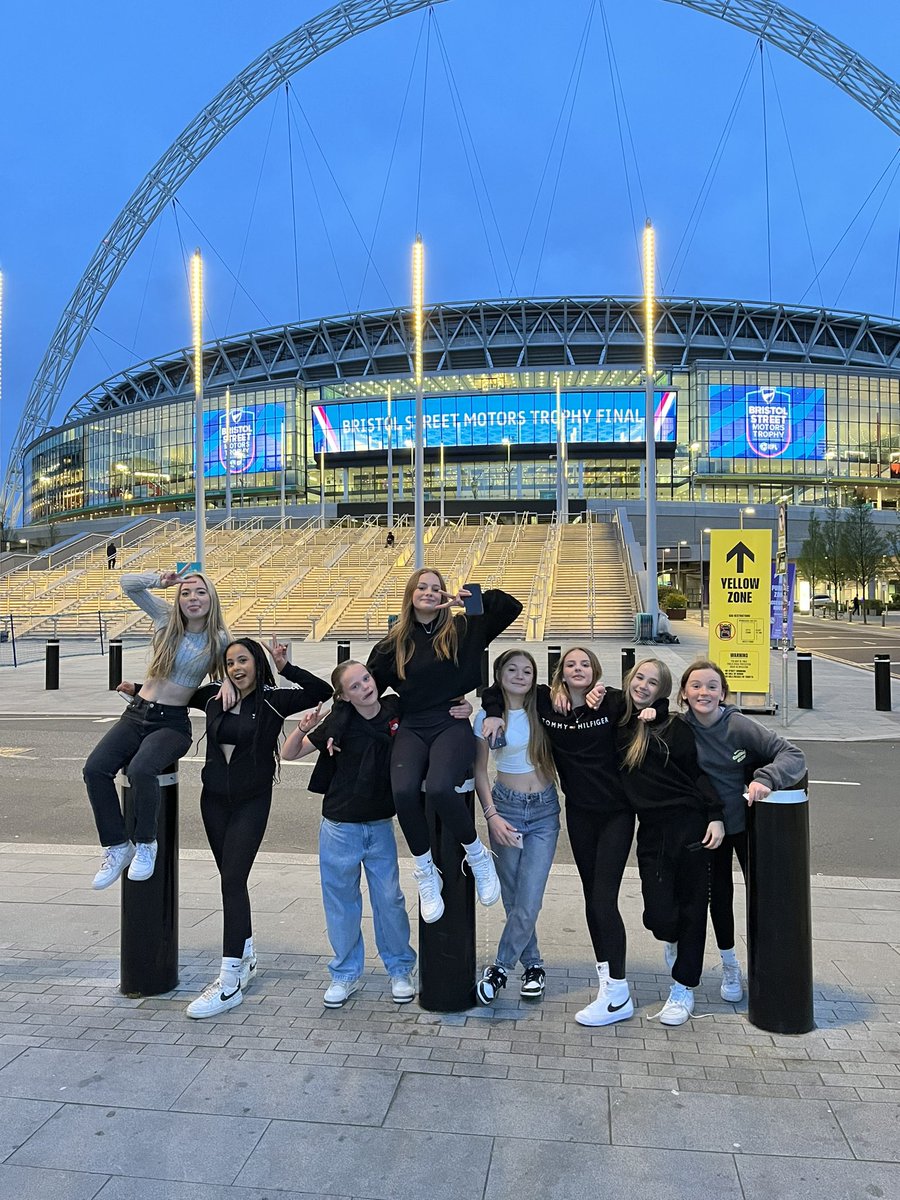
669, 777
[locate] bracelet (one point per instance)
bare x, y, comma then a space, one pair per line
493, 814
489, 812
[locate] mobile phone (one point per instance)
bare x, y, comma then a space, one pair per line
517, 838
695, 846
473, 604
498, 741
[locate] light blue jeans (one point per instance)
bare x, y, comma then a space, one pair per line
344, 848
523, 873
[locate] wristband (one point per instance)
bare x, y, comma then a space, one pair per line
490, 812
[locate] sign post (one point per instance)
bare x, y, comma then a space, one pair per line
740, 584
781, 566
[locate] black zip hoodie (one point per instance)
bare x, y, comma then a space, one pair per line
669, 777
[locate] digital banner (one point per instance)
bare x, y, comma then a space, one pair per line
766, 422
524, 418
250, 436
778, 602
740, 597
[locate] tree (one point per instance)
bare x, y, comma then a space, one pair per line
835, 552
811, 560
892, 553
865, 546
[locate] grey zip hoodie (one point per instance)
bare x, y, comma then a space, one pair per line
736, 750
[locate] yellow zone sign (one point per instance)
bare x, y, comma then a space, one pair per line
740, 591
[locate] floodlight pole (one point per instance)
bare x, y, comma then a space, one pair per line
390, 464
199, 481
228, 456
419, 484
652, 595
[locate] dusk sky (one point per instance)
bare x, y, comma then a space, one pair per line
93, 94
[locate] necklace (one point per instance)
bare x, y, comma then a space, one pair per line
428, 627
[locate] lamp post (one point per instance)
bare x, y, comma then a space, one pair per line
390, 464
508, 444
663, 552
749, 510
702, 531
442, 483
693, 450
829, 471
122, 468
322, 486
650, 427
683, 542
418, 297
227, 449
199, 481
283, 471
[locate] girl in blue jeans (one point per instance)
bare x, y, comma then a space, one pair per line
522, 812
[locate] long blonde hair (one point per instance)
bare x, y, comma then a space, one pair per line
446, 640
640, 739
167, 639
539, 753
558, 685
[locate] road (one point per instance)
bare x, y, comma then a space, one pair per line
850, 642
853, 805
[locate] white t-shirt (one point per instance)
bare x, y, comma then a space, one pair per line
511, 759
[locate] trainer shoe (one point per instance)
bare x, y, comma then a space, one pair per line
670, 953
213, 1000
613, 1004
143, 862
339, 992
402, 989
679, 1007
493, 978
487, 884
248, 971
429, 882
115, 860
732, 988
532, 983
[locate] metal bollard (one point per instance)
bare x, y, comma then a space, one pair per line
804, 679
779, 918
51, 665
447, 946
553, 656
627, 661
148, 954
485, 672
883, 682
343, 651
115, 663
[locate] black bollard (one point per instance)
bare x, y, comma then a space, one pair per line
447, 946
148, 955
343, 651
627, 661
804, 679
485, 672
883, 682
115, 663
553, 656
779, 918
51, 665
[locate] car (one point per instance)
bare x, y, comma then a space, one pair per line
821, 600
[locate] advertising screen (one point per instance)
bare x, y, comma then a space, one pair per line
250, 436
524, 418
747, 421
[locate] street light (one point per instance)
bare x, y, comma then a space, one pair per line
693, 449
652, 599
749, 510
199, 480
702, 531
663, 552
122, 468
418, 299
508, 444
683, 542
442, 483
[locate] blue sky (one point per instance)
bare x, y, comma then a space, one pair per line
92, 95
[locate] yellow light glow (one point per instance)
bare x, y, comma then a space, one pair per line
197, 318
418, 299
649, 297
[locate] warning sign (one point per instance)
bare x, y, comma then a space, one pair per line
740, 590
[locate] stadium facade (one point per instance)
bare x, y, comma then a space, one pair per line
754, 402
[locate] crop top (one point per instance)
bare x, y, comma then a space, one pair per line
192, 663
511, 759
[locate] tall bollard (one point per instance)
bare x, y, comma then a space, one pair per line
447, 946
779, 918
115, 663
627, 661
148, 955
51, 665
883, 682
553, 656
804, 679
343, 651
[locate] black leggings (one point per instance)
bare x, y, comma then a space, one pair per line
442, 756
235, 829
721, 886
600, 843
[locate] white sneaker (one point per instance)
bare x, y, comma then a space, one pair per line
213, 1000
679, 1007
339, 992
402, 988
248, 971
487, 884
430, 885
612, 1004
670, 953
143, 862
732, 988
115, 860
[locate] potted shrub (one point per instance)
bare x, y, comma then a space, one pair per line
675, 606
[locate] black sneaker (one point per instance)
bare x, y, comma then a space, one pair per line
532, 983
490, 983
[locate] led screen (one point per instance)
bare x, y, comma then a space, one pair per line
525, 418
253, 434
766, 422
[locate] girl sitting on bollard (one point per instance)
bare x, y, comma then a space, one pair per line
522, 814
155, 729
431, 659
732, 749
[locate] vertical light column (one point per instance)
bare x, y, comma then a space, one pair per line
322, 486
228, 455
390, 464
652, 593
199, 481
283, 472
442, 483
418, 299
559, 500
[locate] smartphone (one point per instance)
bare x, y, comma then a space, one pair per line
498, 741
695, 846
517, 838
473, 604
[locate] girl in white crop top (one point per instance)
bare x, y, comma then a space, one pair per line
522, 812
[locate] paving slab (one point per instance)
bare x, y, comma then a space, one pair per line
161, 1189
97, 1077
20, 1120
873, 1134
29, 1183
763, 1178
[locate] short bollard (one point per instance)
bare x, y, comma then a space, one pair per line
804, 679
627, 661
115, 663
779, 918
51, 665
343, 651
883, 682
148, 955
553, 657
447, 946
